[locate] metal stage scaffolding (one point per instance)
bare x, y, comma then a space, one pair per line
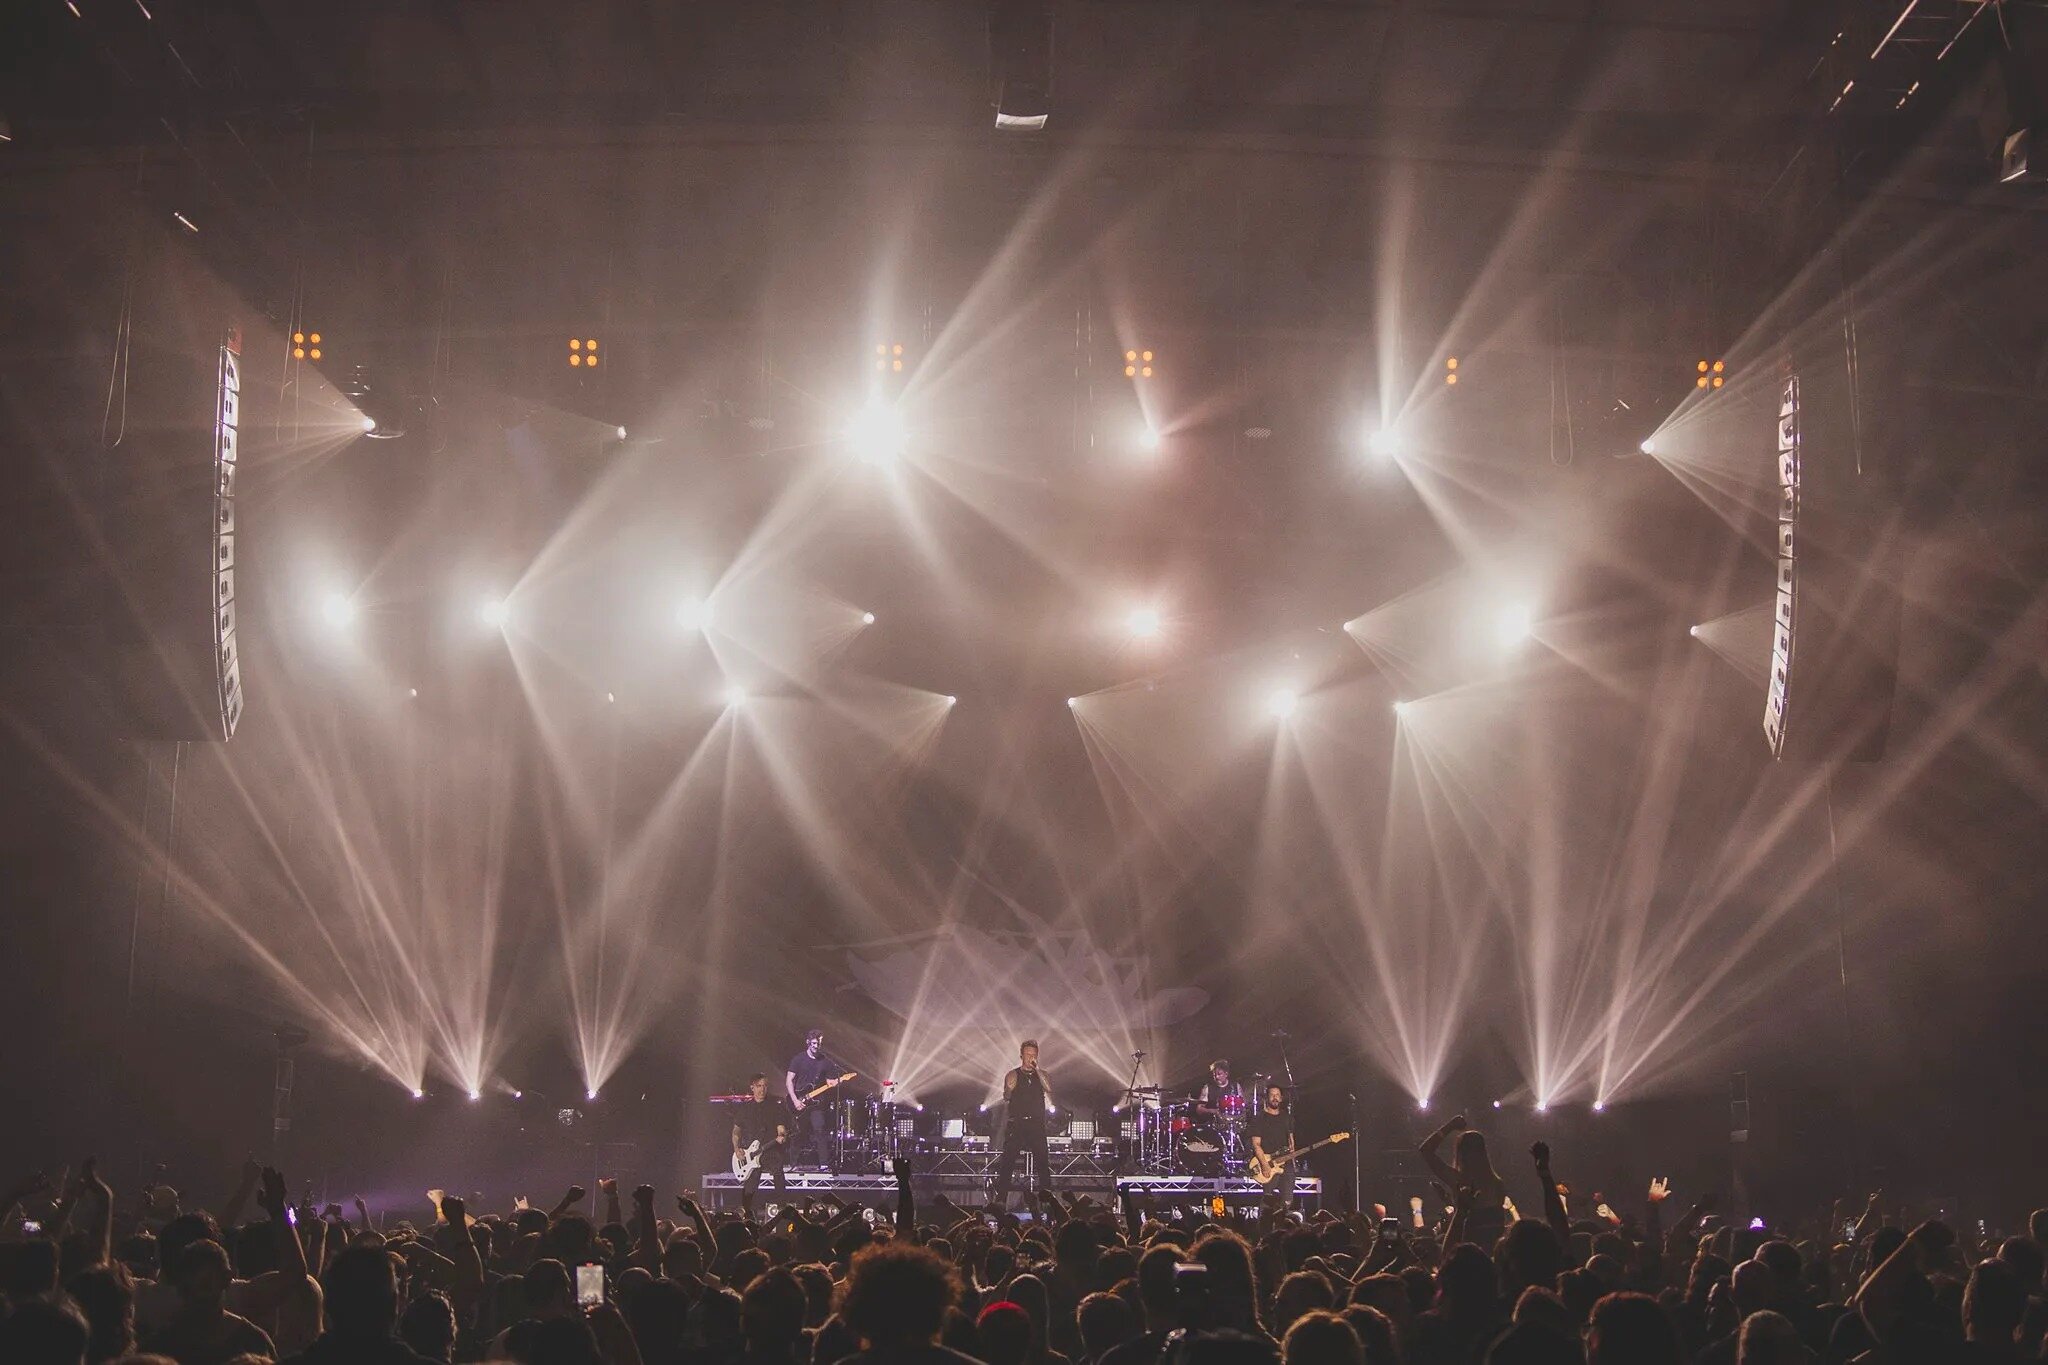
970, 1191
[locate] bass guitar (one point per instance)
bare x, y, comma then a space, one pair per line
809, 1095
1269, 1168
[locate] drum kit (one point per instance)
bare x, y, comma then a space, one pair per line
1164, 1136
1187, 1137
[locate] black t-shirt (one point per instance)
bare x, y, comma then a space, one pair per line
1275, 1132
811, 1072
758, 1122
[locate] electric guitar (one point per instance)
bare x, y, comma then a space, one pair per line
746, 1163
1269, 1168
804, 1099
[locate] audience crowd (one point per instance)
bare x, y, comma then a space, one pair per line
87, 1278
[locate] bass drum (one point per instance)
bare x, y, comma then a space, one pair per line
1201, 1151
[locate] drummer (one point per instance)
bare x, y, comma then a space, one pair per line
1220, 1097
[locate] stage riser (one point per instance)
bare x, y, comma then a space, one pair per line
969, 1192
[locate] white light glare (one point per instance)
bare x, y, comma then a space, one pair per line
876, 433
1649, 445
952, 701
1400, 708
1281, 702
622, 433
419, 1094
1423, 1104
476, 1094
338, 609
1073, 702
1515, 625
590, 1094
867, 618
694, 614
1143, 622
1496, 1104
1149, 439
369, 423
495, 611
1694, 632
1599, 1106
1382, 443
519, 1094
735, 696
1543, 1106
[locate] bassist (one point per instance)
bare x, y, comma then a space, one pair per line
764, 1121
1271, 1130
805, 1073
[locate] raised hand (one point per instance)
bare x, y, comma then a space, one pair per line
363, 1209
1540, 1151
608, 1186
643, 1196
271, 1198
576, 1195
1935, 1235
252, 1171
332, 1211
1660, 1188
454, 1210
519, 1204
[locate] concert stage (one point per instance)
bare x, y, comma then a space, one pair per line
970, 1192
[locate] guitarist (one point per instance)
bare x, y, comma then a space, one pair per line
806, 1072
765, 1121
1271, 1130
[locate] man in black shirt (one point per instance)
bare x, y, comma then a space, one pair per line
807, 1071
765, 1121
1026, 1099
1271, 1130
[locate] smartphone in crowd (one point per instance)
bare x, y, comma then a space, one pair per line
589, 1285
1191, 1296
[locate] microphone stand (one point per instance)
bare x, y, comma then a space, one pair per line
1357, 1177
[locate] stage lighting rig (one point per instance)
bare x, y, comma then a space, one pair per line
385, 408
582, 353
1711, 374
1451, 370
1020, 63
888, 357
1137, 364
876, 434
305, 345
